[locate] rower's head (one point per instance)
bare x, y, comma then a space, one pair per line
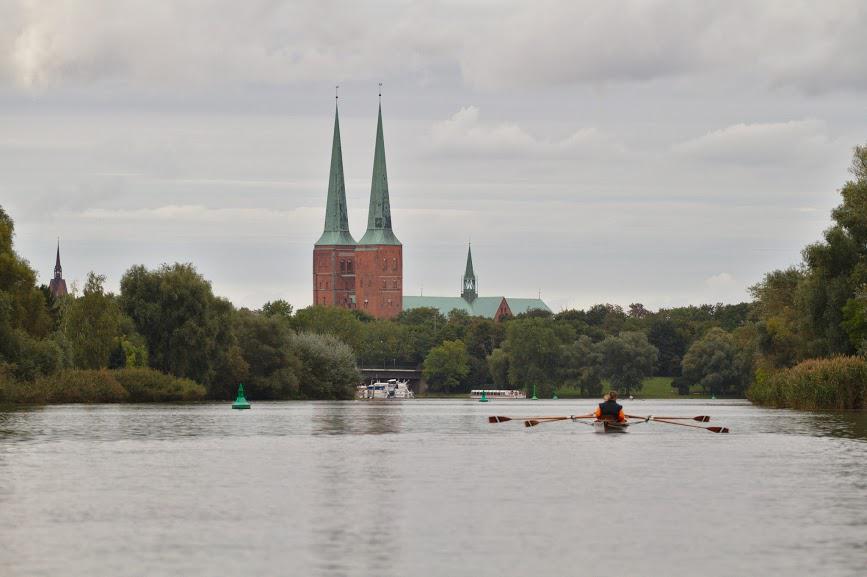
611, 396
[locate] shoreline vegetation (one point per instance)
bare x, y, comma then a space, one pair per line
165, 336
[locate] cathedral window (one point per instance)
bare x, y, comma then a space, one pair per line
385, 264
343, 266
394, 264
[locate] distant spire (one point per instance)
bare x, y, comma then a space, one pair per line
58, 270
469, 292
336, 230
57, 286
379, 214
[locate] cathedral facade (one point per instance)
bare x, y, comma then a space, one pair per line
366, 275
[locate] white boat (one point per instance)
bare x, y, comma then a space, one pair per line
390, 389
498, 394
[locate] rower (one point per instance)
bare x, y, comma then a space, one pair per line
609, 409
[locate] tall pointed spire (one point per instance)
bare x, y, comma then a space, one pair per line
470, 292
379, 215
58, 270
336, 230
57, 286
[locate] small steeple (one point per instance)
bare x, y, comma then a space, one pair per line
336, 230
379, 215
58, 270
57, 286
469, 292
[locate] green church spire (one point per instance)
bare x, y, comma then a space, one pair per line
470, 292
336, 217
379, 216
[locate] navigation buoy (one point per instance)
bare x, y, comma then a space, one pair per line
534, 397
484, 398
555, 397
241, 400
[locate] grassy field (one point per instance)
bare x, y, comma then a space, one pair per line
652, 388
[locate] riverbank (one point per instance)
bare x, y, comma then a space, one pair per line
129, 385
836, 383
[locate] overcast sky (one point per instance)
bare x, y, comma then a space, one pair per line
660, 152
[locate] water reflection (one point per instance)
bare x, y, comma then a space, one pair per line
359, 417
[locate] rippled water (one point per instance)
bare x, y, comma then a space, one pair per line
428, 487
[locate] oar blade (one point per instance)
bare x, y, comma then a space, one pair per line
701, 418
717, 429
531, 423
498, 419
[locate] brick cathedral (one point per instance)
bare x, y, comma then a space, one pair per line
368, 274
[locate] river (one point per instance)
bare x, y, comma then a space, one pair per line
428, 488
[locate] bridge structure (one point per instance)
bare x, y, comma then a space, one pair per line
371, 374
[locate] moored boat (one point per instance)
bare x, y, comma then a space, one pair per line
390, 389
610, 427
492, 394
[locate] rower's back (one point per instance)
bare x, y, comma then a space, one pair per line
610, 410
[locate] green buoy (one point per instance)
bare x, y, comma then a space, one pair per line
241, 400
484, 398
555, 397
534, 398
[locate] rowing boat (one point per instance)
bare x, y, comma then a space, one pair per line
609, 427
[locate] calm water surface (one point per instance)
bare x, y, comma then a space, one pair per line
428, 487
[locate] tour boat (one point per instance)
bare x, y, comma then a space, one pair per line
498, 394
390, 389
609, 427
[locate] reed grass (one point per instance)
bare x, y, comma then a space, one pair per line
832, 383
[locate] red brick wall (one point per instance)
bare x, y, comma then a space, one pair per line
334, 276
379, 284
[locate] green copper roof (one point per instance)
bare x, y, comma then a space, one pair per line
336, 217
480, 307
379, 216
519, 306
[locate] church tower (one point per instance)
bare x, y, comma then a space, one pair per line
334, 252
379, 255
469, 290
57, 286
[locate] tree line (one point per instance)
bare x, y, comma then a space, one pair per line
169, 320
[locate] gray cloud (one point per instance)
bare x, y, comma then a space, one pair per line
811, 46
667, 152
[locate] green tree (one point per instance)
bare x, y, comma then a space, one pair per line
384, 343
335, 321
446, 366
278, 308
627, 360
581, 366
92, 324
533, 349
780, 337
187, 329
498, 367
266, 344
718, 364
327, 367
671, 344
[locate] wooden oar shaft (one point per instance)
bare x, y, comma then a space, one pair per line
700, 418
711, 429
501, 419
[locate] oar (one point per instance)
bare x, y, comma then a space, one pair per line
504, 419
700, 418
539, 420
711, 429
